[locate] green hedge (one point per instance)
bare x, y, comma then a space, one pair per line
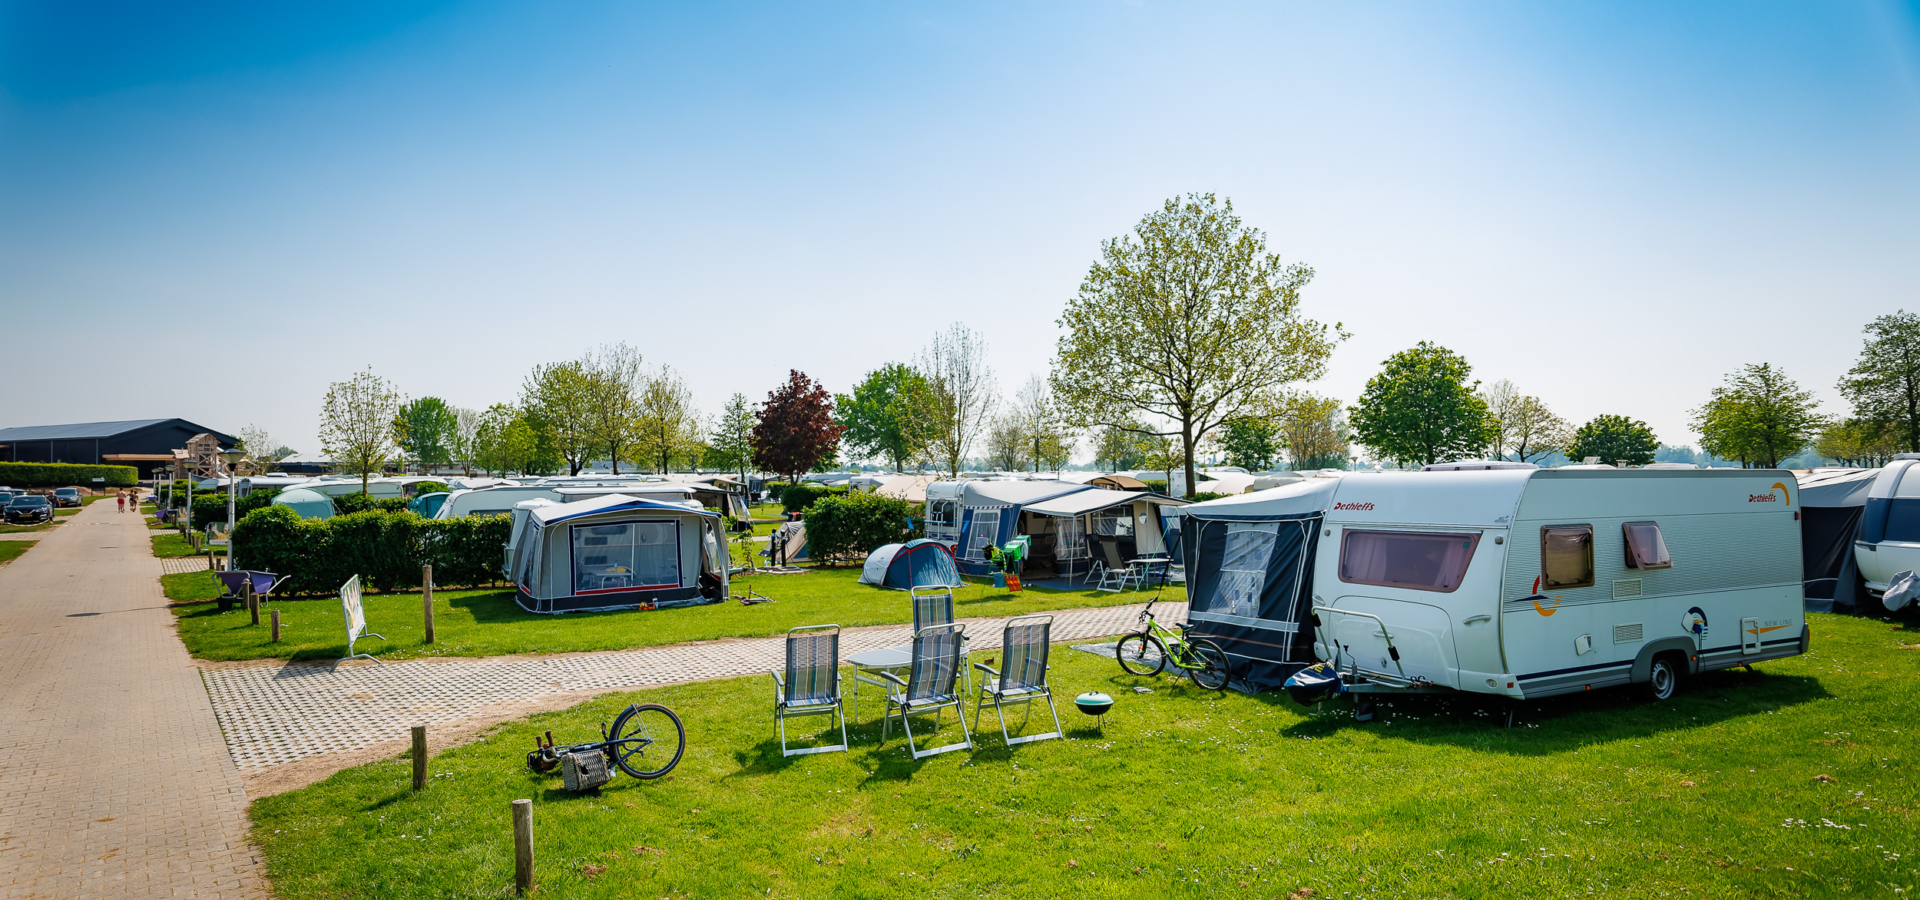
798, 497
212, 507
358, 501
38, 475
385, 548
854, 525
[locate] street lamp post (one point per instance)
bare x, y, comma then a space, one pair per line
232, 459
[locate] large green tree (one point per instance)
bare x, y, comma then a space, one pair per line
356, 424
559, 398
667, 425
427, 429
890, 414
1884, 383
1187, 321
1314, 431
1117, 447
1612, 439
1759, 417
1249, 443
1421, 408
731, 447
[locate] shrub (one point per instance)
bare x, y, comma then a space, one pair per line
429, 487
385, 548
42, 475
1158, 487
358, 501
798, 497
1200, 496
212, 506
856, 524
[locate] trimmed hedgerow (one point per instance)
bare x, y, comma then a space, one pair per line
212, 507
35, 475
358, 501
385, 548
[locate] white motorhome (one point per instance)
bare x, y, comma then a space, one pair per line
1525, 583
1888, 541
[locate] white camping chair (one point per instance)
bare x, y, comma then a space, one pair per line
1023, 679
812, 684
937, 659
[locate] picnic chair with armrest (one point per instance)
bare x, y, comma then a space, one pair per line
1023, 679
1118, 573
929, 686
812, 684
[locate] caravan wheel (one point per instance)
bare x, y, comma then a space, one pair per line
1663, 680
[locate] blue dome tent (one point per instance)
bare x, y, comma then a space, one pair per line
918, 563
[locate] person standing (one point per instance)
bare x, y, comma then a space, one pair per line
120, 498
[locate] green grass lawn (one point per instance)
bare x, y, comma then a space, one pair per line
1789, 781
15, 529
173, 544
11, 550
489, 623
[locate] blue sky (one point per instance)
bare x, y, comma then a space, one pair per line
1613, 205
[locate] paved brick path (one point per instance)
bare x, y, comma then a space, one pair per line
280, 712
114, 778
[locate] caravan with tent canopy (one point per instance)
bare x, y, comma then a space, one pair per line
1525, 583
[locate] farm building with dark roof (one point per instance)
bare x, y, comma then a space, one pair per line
146, 444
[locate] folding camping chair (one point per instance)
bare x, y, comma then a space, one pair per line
812, 684
937, 656
933, 605
1024, 677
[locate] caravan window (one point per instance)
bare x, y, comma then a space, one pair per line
1243, 568
1070, 539
1113, 523
1646, 549
625, 556
1420, 560
1566, 556
985, 530
943, 515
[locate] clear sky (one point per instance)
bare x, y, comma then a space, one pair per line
212, 211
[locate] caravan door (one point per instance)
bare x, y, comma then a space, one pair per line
1415, 593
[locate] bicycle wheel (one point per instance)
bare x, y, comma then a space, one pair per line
1141, 654
1210, 662
646, 741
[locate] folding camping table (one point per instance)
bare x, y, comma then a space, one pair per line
885, 659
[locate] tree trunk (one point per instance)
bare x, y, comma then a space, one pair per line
1186, 450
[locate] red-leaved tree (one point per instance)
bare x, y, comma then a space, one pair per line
795, 430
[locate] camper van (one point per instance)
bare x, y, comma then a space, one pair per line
1888, 542
1524, 583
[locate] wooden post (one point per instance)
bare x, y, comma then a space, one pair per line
419, 757
426, 597
523, 845
276, 626
253, 602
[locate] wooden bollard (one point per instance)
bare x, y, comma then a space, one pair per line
276, 626
253, 603
523, 845
419, 757
426, 597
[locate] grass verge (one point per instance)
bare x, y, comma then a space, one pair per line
12, 550
489, 623
1789, 781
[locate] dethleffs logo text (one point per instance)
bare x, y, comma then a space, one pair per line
1768, 497
1360, 507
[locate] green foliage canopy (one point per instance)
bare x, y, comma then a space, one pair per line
1614, 438
1421, 408
1884, 384
1187, 320
852, 525
1759, 416
1248, 443
889, 415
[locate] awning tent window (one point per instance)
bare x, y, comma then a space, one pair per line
943, 515
1646, 548
1070, 539
1566, 556
1416, 560
1243, 568
624, 556
982, 533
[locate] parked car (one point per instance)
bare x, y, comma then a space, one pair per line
29, 509
66, 497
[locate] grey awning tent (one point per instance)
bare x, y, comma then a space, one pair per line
1250, 577
990, 516
618, 552
1831, 503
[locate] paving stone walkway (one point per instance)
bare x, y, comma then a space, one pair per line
281, 712
114, 778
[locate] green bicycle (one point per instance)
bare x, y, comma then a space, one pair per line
1148, 651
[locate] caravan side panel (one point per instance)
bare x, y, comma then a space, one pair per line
1732, 595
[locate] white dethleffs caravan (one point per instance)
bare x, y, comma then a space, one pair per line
1529, 583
